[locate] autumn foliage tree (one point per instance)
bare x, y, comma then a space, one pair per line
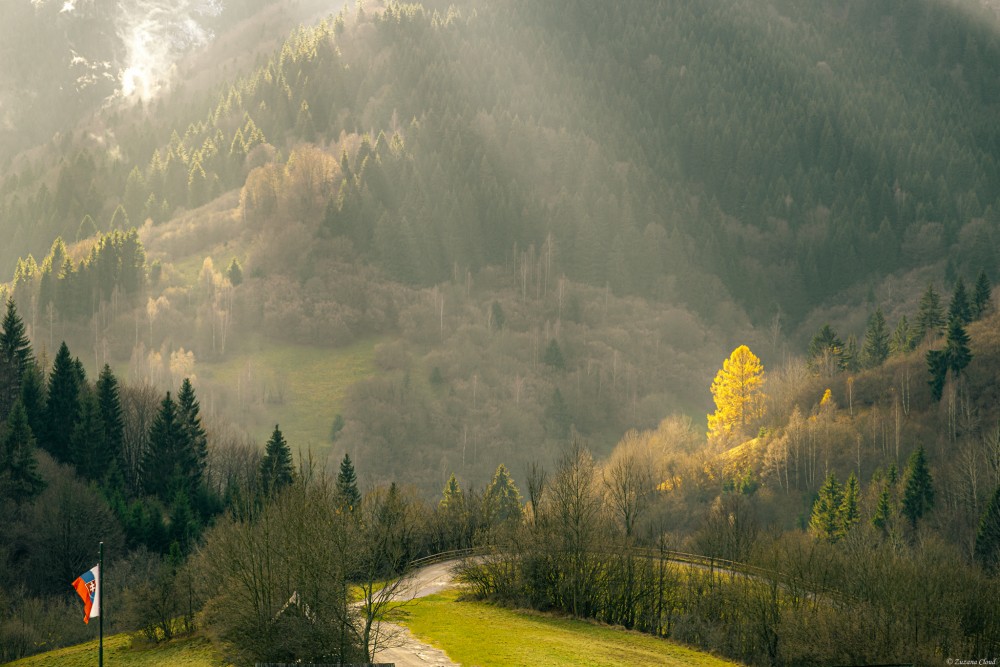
738, 394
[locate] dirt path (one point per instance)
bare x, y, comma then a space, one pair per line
407, 651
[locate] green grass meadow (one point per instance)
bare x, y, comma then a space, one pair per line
118, 652
481, 634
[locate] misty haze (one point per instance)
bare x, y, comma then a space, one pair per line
500, 333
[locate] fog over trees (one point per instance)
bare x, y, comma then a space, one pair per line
306, 296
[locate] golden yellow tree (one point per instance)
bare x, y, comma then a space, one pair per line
738, 393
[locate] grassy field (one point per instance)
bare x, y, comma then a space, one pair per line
118, 652
301, 388
475, 633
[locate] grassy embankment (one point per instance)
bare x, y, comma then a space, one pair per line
476, 633
118, 651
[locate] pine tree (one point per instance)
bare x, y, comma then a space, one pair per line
33, 397
20, 480
162, 466
826, 522
738, 394
852, 358
62, 406
497, 316
452, 496
88, 446
347, 484
883, 512
930, 316
557, 417
955, 356
876, 347
918, 497
849, 514
553, 356
234, 272
902, 337
276, 471
982, 296
15, 357
826, 352
194, 452
503, 500
987, 550
960, 309
110, 410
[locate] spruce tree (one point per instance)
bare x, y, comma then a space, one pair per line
981, 296
876, 347
88, 445
918, 497
276, 471
826, 352
960, 307
194, 452
955, 356
987, 550
347, 484
163, 468
62, 406
20, 480
852, 358
826, 522
452, 496
930, 316
553, 356
110, 409
849, 514
902, 337
883, 512
33, 397
15, 357
503, 500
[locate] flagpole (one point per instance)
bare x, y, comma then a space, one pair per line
100, 598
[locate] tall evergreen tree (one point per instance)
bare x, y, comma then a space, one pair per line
15, 357
981, 296
276, 470
163, 466
902, 337
849, 514
452, 495
883, 512
826, 522
502, 499
88, 445
553, 356
930, 316
987, 550
347, 484
62, 406
110, 409
918, 497
19, 477
960, 308
955, 356
195, 451
33, 397
852, 356
876, 347
826, 352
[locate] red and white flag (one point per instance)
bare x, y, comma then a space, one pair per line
87, 588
